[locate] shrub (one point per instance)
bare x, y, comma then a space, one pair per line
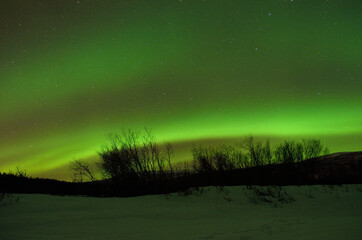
220, 158
203, 159
226, 157
313, 148
254, 151
289, 152
257, 153
131, 158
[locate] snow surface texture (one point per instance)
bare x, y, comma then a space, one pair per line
318, 212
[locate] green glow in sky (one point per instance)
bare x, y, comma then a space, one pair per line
72, 72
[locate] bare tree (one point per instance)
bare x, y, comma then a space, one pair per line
203, 160
267, 153
254, 150
285, 152
20, 172
131, 157
169, 155
224, 157
82, 171
313, 148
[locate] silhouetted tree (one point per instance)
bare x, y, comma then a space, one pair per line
19, 172
267, 153
289, 152
82, 171
313, 148
203, 161
224, 158
257, 153
131, 158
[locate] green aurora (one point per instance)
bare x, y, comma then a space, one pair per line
194, 72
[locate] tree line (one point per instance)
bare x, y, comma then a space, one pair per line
132, 162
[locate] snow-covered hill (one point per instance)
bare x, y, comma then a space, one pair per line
318, 212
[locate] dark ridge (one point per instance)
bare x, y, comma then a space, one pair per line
336, 168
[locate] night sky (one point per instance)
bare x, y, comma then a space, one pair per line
72, 72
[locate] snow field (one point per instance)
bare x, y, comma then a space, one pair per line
318, 212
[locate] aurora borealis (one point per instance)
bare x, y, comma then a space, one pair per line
192, 71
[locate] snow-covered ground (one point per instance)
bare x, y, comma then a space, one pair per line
318, 212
